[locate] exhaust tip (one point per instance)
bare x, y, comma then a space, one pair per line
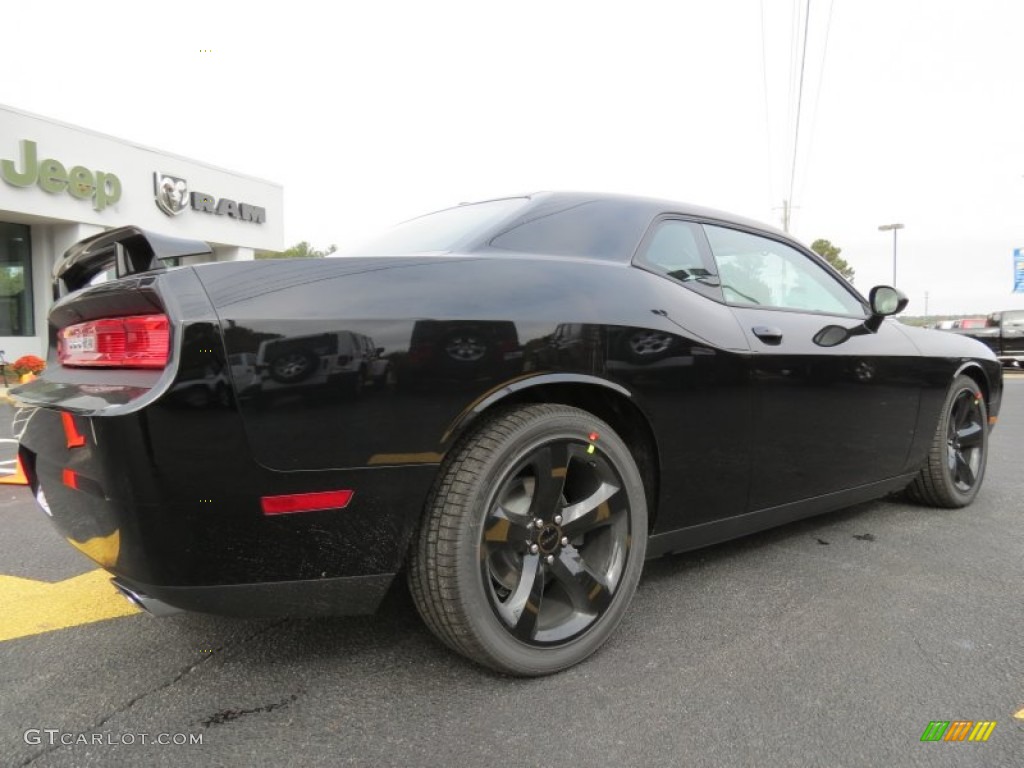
149, 604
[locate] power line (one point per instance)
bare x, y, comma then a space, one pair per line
817, 97
799, 99
794, 35
767, 114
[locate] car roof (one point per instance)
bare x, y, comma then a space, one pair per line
629, 215
654, 206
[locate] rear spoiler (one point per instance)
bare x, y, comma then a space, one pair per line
128, 250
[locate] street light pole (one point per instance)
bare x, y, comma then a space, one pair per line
895, 228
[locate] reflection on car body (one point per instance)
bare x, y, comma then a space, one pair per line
338, 360
460, 351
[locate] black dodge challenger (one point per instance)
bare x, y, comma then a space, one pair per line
513, 403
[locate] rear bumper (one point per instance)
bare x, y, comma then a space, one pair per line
169, 502
347, 596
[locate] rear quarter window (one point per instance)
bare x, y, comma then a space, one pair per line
600, 229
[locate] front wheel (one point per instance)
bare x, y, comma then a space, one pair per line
532, 542
952, 475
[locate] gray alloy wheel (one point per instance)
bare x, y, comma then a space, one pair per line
647, 343
465, 347
292, 367
952, 475
533, 540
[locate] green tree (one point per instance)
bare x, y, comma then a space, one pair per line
830, 253
301, 250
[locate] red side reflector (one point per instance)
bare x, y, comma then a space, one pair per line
75, 439
71, 479
306, 502
137, 341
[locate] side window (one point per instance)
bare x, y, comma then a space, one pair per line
758, 271
676, 249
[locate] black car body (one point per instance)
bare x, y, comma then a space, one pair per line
741, 383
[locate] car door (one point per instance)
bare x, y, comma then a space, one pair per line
826, 418
691, 369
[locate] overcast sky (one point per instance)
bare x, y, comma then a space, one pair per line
369, 113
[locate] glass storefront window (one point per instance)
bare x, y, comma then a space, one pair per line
16, 315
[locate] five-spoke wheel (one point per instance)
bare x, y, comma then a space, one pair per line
533, 541
965, 438
555, 541
955, 467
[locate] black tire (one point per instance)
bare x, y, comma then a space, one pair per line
528, 599
955, 468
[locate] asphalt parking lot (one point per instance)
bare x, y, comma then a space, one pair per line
830, 642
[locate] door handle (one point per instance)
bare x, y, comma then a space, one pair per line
768, 334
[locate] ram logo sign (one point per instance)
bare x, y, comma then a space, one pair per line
224, 207
173, 196
171, 193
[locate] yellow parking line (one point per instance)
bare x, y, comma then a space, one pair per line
32, 607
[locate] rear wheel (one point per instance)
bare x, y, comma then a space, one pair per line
952, 475
533, 541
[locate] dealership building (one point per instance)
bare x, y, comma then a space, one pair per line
60, 183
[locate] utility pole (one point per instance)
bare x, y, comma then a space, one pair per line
894, 228
787, 214
926, 306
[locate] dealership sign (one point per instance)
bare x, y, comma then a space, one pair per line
54, 177
173, 196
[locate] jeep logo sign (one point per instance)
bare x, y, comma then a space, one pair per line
78, 181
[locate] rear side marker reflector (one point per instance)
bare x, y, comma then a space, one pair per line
75, 439
71, 478
136, 341
305, 502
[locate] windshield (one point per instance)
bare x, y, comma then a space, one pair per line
445, 230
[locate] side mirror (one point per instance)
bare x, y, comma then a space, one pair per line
885, 301
831, 336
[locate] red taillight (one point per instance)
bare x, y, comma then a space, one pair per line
305, 502
137, 341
